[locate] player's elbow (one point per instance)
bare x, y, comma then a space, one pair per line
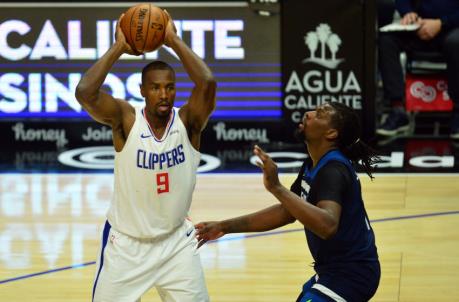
290, 219
209, 86
207, 82
83, 93
328, 231
80, 92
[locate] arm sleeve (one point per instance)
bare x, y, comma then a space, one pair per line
333, 181
404, 7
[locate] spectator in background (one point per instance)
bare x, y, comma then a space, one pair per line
386, 10
438, 31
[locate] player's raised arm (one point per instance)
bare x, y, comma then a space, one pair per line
195, 113
101, 106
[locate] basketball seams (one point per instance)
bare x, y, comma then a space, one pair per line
135, 31
132, 43
156, 40
153, 39
148, 27
165, 21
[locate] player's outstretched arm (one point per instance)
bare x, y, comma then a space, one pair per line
101, 106
322, 220
264, 220
195, 113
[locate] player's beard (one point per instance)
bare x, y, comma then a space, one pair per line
299, 135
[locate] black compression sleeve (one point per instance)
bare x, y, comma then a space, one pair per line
332, 182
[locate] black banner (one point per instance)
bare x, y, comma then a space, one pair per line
87, 146
58, 134
226, 147
328, 56
45, 49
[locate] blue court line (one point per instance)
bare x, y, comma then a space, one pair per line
47, 272
232, 239
302, 229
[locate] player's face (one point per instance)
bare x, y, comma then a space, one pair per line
158, 89
316, 123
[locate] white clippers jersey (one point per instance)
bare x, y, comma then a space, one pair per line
154, 179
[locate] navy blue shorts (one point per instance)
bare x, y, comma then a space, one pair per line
310, 294
353, 283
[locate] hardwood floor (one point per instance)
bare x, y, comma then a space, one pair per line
50, 226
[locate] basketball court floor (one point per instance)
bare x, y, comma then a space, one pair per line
50, 225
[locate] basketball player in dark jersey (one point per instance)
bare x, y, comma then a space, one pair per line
326, 198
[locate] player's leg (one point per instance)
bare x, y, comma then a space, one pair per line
121, 269
315, 296
310, 294
182, 277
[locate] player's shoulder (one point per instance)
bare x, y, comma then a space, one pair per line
335, 169
128, 113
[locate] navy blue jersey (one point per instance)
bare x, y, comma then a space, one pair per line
348, 262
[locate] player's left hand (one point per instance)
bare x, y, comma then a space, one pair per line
429, 29
171, 31
269, 167
210, 230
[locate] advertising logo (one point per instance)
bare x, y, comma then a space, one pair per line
424, 92
241, 134
22, 134
427, 94
321, 77
326, 38
97, 134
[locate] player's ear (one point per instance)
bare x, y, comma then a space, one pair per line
331, 134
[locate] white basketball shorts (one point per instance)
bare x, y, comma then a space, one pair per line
127, 267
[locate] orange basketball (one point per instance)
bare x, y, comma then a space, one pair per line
144, 26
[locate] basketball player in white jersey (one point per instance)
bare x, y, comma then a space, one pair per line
147, 240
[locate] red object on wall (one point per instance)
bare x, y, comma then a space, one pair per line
427, 93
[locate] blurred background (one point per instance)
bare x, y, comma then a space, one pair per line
273, 60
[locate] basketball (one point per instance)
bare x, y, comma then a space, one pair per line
144, 26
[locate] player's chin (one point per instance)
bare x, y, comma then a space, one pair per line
299, 135
164, 111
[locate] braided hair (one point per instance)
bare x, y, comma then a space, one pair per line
347, 122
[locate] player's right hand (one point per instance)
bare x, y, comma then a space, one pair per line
409, 18
121, 38
269, 167
209, 230
171, 30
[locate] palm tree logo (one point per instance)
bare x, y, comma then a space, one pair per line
323, 31
333, 43
311, 40
326, 38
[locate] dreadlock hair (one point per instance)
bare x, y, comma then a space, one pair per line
347, 122
156, 65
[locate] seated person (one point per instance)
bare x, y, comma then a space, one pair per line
386, 10
438, 31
